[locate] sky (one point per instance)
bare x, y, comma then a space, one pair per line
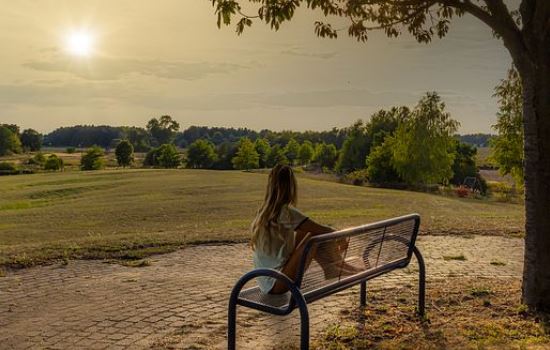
151, 58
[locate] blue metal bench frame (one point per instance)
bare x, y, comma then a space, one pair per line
300, 301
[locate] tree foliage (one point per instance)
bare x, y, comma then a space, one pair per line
423, 144
163, 130
507, 146
247, 157
53, 163
124, 153
325, 155
306, 152
9, 141
31, 140
384, 123
380, 169
92, 159
262, 147
355, 149
276, 156
464, 166
201, 154
168, 156
292, 151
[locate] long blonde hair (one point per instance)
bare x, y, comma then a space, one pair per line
281, 190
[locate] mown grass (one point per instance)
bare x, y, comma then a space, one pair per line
134, 213
463, 314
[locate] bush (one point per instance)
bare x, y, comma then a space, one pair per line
7, 168
71, 150
168, 156
165, 156
53, 163
92, 159
357, 177
38, 159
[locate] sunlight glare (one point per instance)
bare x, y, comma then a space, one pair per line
80, 43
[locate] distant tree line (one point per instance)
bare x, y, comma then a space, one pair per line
477, 140
400, 145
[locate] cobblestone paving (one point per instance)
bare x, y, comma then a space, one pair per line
180, 300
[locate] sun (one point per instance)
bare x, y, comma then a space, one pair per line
80, 43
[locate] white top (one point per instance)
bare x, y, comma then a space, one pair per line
289, 220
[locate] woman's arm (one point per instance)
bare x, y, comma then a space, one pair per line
310, 226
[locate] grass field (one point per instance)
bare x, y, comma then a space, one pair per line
134, 213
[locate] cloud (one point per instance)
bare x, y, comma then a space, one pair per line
110, 68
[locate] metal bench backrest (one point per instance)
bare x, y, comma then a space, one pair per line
373, 249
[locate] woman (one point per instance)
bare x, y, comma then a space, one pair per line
280, 232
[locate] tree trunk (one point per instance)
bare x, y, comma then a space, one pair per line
536, 115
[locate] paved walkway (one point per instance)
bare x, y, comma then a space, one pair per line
180, 300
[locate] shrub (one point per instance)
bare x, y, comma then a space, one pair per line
168, 156
151, 158
53, 163
6, 166
92, 159
165, 156
38, 159
71, 150
357, 177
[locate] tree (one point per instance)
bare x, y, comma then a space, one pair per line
92, 159
355, 149
262, 147
507, 146
325, 155
292, 150
9, 142
138, 137
124, 153
53, 163
225, 153
380, 168
276, 156
524, 33
464, 166
168, 156
423, 144
201, 154
247, 158
31, 140
306, 152
384, 123
163, 130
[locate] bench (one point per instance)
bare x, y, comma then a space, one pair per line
375, 249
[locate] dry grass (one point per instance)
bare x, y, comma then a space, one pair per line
130, 214
462, 314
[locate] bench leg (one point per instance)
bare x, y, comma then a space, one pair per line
363, 293
421, 283
304, 325
231, 325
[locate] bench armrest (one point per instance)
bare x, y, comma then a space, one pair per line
297, 296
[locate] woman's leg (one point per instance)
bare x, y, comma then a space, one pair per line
291, 267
